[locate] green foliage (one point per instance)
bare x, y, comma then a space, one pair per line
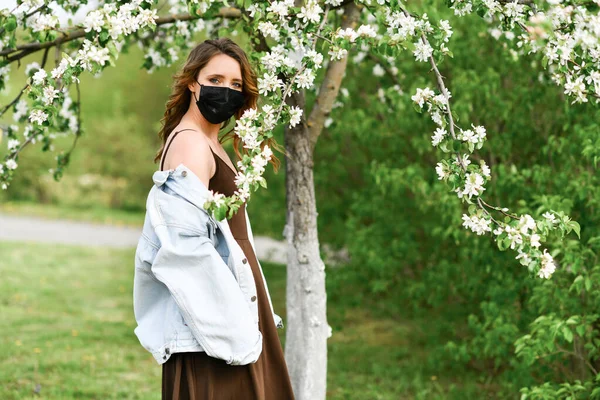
403, 230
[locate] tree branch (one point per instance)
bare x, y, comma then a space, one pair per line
29, 48
7, 107
331, 82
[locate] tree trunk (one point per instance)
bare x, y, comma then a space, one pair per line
307, 328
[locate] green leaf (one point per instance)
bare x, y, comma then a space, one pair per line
11, 23
503, 243
568, 334
588, 284
575, 226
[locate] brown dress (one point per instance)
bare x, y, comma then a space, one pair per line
197, 376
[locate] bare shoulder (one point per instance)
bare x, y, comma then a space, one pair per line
191, 148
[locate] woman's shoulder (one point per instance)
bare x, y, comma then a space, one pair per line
191, 148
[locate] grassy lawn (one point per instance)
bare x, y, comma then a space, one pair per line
51, 211
67, 333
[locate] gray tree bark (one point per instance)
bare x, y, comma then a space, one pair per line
307, 328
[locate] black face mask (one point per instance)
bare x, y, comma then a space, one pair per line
218, 103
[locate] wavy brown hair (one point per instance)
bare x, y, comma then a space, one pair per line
180, 97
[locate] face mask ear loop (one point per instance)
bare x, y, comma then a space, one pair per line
194, 93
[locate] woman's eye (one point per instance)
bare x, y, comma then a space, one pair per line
214, 79
239, 85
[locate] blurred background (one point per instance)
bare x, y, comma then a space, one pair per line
420, 307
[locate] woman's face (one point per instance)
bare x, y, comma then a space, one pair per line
221, 70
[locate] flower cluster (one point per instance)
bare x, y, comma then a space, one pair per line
477, 224
52, 106
467, 179
566, 35
120, 20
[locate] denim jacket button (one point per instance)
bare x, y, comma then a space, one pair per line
167, 351
245, 260
253, 298
184, 174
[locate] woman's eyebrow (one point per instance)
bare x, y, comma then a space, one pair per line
221, 76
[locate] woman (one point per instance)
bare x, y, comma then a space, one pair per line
205, 317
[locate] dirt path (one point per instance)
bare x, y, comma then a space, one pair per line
31, 229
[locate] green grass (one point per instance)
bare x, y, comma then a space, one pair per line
67, 328
50, 211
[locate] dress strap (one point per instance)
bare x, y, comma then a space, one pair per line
164, 155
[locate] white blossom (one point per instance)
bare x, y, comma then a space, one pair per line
550, 217
473, 184
13, 144
21, 110
314, 56
269, 82
526, 223
11, 164
422, 51
485, 170
523, 257
548, 267
43, 22
38, 116
422, 96
281, 8
310, 12
337, 53
94, 21
367, 31
479, 225
38, 77
305, 79
295, 115
465, 160
49, 94
378, 70
438, 136
442, 171
348, 33
535, 240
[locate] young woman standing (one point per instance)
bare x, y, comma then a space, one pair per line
216, 83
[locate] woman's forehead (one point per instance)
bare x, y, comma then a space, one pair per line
223, 65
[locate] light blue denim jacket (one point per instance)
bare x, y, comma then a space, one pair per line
193, 287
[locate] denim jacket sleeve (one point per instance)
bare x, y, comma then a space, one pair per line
206, 292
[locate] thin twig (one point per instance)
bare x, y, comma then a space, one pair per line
29, 48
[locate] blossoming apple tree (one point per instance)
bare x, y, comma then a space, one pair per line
291, 41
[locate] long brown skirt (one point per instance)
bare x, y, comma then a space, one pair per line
195, 376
